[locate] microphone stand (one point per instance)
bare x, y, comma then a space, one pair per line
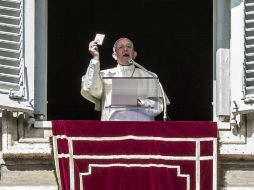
131, 61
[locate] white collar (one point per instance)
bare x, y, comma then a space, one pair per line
125, 67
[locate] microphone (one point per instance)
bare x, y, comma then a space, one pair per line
131, 61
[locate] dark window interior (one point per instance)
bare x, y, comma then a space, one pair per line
173, 39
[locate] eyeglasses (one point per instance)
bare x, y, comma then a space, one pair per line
121, 46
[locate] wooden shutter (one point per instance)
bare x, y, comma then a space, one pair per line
11, 48
17, 23
248, 87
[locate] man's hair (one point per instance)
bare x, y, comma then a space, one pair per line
115, 44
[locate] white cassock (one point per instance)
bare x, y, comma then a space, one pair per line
98, 90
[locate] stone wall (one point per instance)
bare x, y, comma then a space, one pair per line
26, 153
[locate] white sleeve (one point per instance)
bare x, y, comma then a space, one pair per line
91, 85
153, 106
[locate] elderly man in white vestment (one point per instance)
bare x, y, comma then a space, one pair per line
98, 90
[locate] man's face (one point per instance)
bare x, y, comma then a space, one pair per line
124, 51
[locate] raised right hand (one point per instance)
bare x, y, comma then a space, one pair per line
93, 49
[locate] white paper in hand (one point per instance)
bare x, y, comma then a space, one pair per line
99, 38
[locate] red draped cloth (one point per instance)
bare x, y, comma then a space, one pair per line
110, 155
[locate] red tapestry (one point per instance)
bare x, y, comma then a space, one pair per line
110, 155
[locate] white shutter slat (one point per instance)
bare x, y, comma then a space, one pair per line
9, 36
10, 11
9, 20
10, 3
11, 56
9, 78
10, 69
9, 61
9, 28
9, 45
5, 86
249, 32
9, 53
249, 46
